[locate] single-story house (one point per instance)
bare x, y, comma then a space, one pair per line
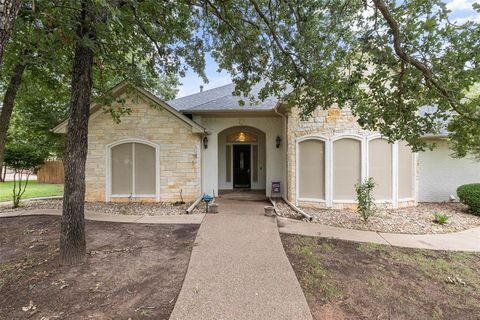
207, 142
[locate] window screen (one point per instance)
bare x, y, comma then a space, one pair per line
405, 171
346, 168
380, 168
133, 169
144, 169
122, 170
311, 168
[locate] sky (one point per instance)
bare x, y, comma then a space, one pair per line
461, 12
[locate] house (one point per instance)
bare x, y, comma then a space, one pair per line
207, 143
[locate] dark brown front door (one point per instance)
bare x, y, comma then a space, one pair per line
241, 166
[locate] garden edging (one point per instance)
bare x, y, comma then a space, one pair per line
173, 219
467, 240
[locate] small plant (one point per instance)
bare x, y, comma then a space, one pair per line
23, 159
440, 218
366, 202
469, 195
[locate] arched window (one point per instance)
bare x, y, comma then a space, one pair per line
133, 169
311, 169
347, 168
380, 167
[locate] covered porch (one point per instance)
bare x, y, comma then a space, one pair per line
243, 152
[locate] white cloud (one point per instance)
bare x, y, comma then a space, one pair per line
462, 20
455, 5
191, 84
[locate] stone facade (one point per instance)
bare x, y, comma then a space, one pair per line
180, 149
328, 124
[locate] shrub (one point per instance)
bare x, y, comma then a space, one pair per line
23, 159
366, 202
469, 195
440, 218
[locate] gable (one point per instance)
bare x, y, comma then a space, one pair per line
125, 89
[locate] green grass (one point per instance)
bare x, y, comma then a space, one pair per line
34, 190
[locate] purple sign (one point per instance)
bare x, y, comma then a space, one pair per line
276, 187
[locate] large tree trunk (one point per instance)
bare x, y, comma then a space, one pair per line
72, 237
8, 103
8, 13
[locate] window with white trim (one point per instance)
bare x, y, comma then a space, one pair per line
405, 171
347, 168
380, 167
133, 167
311, 169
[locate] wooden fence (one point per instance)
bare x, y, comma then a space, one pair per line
51, 172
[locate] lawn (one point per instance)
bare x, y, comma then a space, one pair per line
132, 271
33, 190
348, 280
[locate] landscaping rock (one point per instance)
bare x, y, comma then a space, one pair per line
412, 220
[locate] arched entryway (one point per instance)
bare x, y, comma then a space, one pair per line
241, 158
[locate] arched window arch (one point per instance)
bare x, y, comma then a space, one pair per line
133, 169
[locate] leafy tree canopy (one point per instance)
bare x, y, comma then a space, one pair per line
385, 61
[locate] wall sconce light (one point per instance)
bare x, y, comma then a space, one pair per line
278, 141
205, 142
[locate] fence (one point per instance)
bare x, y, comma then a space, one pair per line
51, 172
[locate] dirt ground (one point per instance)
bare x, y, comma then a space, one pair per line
348, 280
132, 270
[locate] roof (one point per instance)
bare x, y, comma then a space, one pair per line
223, 99
442, 123
120, 89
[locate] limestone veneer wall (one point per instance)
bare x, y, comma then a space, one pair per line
180, 153
327, 123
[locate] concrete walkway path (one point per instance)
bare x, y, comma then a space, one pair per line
468, 240
173, 219
239, 270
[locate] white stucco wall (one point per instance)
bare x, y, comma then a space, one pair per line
272, 126
440, 174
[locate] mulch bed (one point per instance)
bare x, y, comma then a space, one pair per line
347, 280
120, 208
132, 270
412, 220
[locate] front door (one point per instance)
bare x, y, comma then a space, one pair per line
241, 166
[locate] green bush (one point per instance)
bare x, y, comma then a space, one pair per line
469, 195
366, 202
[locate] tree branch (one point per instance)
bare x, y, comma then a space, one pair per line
426, 72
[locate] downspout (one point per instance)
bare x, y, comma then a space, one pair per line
285, 132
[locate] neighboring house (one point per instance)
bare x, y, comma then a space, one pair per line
207, 142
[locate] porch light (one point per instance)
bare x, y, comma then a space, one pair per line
278, 141
205, 142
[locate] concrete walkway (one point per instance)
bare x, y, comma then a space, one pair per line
173, 219
468, 240
239, 270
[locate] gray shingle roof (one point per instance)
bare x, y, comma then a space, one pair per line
221, 99
442, 124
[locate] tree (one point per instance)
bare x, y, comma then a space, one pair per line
123, 33
30, 54
24, 159
8, 13
384, 60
